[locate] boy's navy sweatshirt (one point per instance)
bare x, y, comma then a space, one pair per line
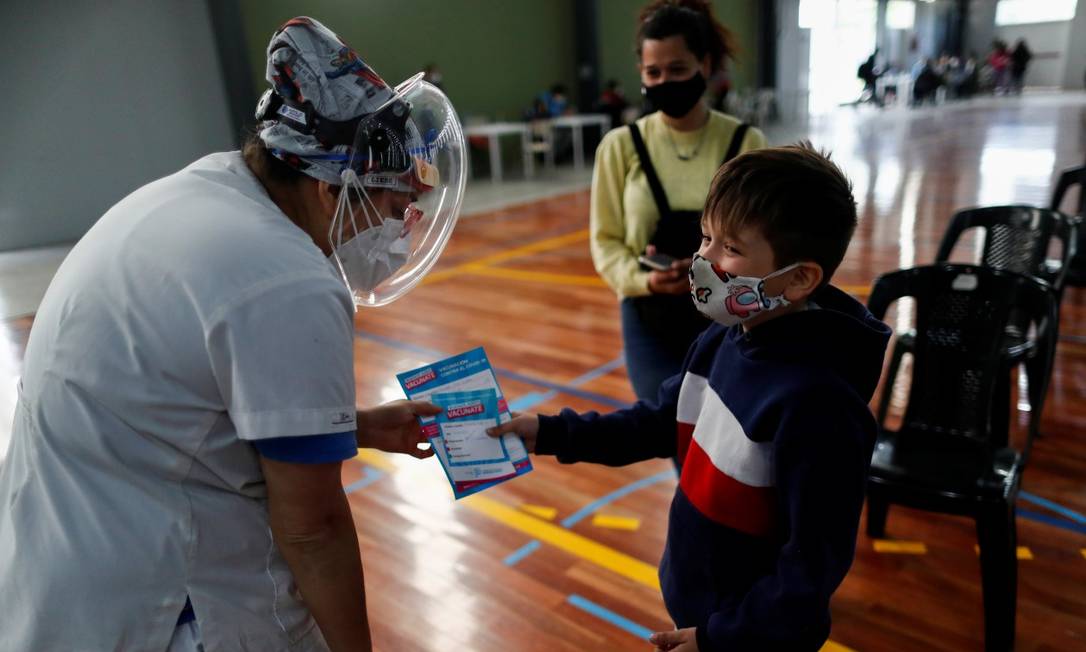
775, 437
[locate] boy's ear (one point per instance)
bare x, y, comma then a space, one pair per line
803, 281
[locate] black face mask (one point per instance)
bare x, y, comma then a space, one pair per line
676, 98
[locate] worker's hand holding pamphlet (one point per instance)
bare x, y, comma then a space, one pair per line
465, 387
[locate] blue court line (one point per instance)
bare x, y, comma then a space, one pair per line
1054, 506
532, 399
1052, 520
522, 552
370, 476
610, 616
558, 387
564, 389
580, 514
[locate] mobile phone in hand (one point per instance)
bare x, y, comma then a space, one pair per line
659, 262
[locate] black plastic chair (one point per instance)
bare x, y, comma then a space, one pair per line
950, 454
1016, 239
1076, 272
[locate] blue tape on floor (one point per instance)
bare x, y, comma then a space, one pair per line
606, 614
1052, 520
591, 507
1066, 512
558, 387
371, 475
521, 553
530, 400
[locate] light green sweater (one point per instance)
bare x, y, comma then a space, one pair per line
623, 215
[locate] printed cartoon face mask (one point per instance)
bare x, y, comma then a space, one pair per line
728, 299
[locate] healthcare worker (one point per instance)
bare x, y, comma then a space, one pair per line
188, 393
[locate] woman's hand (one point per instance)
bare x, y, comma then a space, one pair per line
670, 281
394, 427
525, 425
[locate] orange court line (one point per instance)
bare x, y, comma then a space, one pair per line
508, 254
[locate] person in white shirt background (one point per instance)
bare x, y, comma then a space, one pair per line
188, 393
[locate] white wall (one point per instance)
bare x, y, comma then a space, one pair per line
1075, 69
793, 61
1048, 42
100, 98
1059, 48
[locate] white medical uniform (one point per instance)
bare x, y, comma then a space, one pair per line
192, 319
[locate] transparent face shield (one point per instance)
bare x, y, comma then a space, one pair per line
401, 194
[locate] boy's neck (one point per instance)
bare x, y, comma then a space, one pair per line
798, 306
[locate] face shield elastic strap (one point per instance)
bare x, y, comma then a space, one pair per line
389, 126
350, 193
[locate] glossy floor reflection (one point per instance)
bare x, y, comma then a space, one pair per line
519, 281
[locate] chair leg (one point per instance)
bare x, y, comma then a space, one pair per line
996, 534
901, 346
877, 509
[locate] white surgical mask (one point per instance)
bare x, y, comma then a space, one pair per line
376, 251
728, 299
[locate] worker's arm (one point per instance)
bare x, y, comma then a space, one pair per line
313, 528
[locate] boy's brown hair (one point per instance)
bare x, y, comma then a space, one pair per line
797, 198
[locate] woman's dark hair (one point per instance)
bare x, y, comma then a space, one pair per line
264, 164
695, 22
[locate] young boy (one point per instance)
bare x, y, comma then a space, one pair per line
769, 415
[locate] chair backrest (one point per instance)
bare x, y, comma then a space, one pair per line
1016, 239
962, 313
1068, 178
1076, 273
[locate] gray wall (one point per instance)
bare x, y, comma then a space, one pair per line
1048, 42
1075, 69
101, 97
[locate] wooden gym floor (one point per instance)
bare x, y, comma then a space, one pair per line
565, 557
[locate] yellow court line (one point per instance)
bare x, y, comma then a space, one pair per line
1022, 552
375, 459
616, 522
900, 547
536, 277
858, 290
509, 254
1083, 551
563, 539
545, 513
559, 537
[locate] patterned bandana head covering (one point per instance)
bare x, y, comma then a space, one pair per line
308, 63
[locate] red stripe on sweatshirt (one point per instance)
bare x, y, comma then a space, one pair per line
724, 499
685, 434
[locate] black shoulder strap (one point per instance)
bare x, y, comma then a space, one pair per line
737, 142
650, 172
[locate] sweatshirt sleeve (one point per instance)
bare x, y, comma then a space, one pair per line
641, 432
614, 260
821, 476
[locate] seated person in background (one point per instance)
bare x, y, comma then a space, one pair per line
926, 82
612, 102
768, 415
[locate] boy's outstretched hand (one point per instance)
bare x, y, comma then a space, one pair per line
679, 640
525, 425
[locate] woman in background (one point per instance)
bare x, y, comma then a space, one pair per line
650, 182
